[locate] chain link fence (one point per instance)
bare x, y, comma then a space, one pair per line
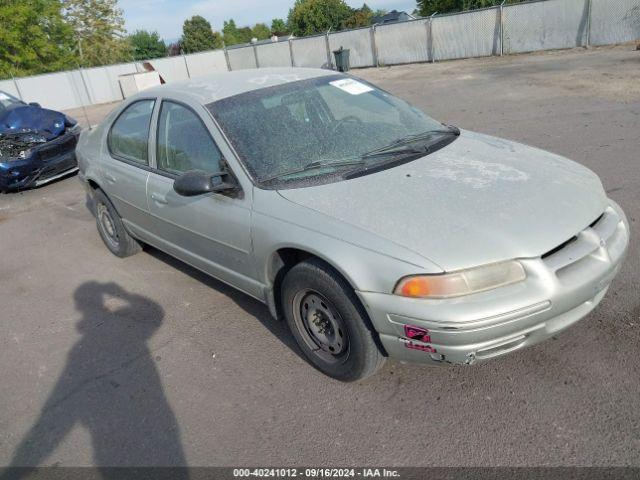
523, 27
545, 25
614, 22
406, 42
465, 35
242, 58
360, 44
311, 52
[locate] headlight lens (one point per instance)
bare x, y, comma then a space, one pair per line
462, 282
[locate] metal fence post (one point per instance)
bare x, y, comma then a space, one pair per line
326, 41
502, 28
293, 63
255, 55
15, 83
84, 109
226, 57
588, 23
374, 46
431, 49
186, 66
86, 89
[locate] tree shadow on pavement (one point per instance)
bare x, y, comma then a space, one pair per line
110, 387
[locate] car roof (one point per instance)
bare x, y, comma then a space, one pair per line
221, 85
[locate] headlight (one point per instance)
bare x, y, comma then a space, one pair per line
462, 282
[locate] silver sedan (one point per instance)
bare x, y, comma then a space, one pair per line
372, 229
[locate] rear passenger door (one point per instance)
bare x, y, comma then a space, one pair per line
126, 164
211, 231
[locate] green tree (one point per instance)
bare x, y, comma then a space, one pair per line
99, 31
360, 17
233, 35
198, 36
244, 35
147, 45
261, 31
314, 16
278, 25
429, 7
34, 38
230, 32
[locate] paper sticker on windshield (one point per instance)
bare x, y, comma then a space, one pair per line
351, 86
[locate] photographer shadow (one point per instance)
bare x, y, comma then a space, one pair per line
111, 387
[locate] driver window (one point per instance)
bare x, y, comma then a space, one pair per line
184, 143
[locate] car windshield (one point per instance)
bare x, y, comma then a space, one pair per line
323, 127
7, 100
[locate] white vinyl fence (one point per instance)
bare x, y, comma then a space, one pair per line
523, 27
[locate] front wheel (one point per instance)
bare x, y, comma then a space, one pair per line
328, 322
111, 228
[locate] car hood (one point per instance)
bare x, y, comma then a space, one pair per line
478, 200
34, 119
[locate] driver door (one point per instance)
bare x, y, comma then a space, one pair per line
212, 231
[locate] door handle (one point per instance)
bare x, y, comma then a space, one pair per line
110, 178
159, 198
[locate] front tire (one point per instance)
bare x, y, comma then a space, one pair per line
111, 228
329, 323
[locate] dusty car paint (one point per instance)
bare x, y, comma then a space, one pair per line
476, 201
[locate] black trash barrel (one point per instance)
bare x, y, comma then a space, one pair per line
342, 59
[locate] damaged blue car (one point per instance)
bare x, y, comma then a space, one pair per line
37, 145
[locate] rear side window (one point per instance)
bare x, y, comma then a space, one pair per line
184, 142
129, 135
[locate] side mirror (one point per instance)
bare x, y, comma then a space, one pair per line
34, 104
197, 182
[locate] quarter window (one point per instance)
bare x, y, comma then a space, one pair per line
184, 143
129, 135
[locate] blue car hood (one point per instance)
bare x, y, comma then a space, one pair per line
22, 118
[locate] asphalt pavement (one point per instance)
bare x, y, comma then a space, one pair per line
145, 361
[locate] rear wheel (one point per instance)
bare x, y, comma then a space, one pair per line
111, 228
328, 322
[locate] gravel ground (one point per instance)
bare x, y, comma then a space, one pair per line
145, 361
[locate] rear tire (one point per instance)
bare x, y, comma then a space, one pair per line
111, 228
329, 323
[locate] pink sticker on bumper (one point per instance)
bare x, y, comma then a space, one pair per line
417, 333
418, 346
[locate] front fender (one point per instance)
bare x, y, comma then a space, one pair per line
367, 262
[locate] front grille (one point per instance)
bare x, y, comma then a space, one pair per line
595, 222
602, 234
57, 147
559, 247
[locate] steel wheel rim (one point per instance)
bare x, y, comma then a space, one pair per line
106, 225
321, 326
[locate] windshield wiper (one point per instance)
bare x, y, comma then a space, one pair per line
313, 166
393, 147
398, 147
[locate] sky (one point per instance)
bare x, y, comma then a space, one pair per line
166, 16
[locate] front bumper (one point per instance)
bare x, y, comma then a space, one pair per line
48, 161
561, 288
